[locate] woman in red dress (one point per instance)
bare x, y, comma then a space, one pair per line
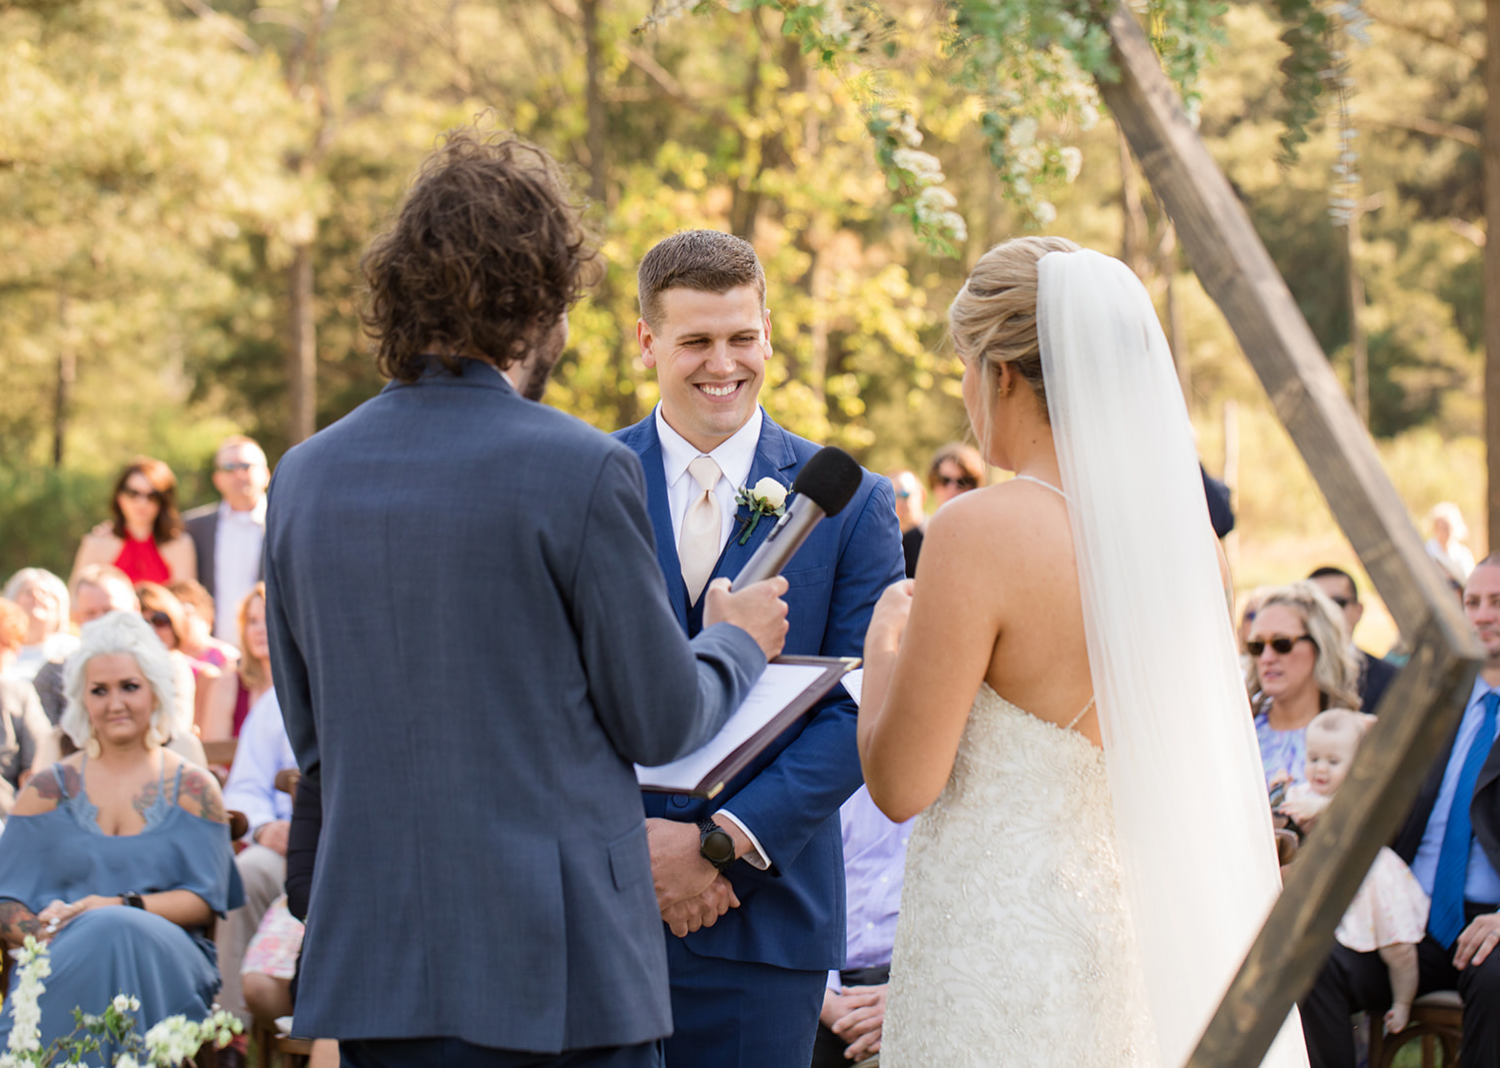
146, 539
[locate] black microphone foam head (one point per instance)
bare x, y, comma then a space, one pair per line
829, 479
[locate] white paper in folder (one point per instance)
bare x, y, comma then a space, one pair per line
779, 686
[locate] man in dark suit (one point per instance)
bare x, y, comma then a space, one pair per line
747, 983
230, 535
472, 643
1375, 674
1452, 842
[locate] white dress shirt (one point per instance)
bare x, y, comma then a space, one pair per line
238, 540
735, 456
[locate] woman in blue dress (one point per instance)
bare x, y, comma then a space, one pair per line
118, 855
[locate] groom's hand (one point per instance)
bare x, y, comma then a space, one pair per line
685, 917
758, 610
677, 868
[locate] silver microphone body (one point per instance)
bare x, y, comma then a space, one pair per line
782, 543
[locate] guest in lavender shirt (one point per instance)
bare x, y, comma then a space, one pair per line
854, 1002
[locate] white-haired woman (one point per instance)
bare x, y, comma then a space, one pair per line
119, 854
44, 597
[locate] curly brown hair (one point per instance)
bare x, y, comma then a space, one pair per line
164, 488
485, 255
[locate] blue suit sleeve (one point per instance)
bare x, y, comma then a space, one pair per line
807, 782
657, 695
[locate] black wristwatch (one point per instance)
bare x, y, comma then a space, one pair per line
715, 845
133, 900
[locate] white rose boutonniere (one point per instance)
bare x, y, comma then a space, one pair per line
766, 497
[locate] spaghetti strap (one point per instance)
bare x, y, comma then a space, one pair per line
177, 783
1041, 482
1074, 722
62, 780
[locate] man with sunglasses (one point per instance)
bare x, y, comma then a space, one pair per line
1375, 674
229, 535
1451, 840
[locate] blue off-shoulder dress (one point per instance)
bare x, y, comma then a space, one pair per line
63, 855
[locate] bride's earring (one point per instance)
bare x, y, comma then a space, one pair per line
93, 748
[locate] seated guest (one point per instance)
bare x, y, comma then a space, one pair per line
1451, 840
44, 598
911, 514
955, 468
164, 612
1300, 665
145, 539
1446, 545
197, 639
853, 1013
119, 855
12, 634
269, 974
238, 688
97, 589
264, 751
1374, 673
23, 726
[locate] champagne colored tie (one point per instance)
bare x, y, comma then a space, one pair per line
702, 529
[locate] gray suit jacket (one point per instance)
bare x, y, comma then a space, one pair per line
472, 641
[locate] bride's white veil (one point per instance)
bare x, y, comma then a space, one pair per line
1185, 777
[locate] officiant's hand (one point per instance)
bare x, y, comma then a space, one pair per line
691, 915
758, 610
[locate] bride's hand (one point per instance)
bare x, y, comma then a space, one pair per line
888, 622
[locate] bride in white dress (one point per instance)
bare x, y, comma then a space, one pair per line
1058, 693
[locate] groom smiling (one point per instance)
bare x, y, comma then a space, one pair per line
752, 937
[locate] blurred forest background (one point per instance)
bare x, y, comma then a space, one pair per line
185, 192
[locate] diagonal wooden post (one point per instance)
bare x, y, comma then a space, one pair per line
1420, 709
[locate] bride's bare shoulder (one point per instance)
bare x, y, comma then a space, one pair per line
1006, 514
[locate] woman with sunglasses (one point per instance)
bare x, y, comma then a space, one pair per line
1300, 665
145, 539
161, 608
956, 468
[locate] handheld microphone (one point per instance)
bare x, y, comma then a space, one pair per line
825, 484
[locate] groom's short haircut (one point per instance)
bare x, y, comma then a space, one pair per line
703, 260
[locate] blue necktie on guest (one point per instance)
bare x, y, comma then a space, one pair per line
1445, 920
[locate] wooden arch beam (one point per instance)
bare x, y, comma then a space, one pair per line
1420, 709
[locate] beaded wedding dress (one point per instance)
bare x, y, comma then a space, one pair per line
1014, 944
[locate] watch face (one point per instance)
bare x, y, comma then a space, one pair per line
717, 847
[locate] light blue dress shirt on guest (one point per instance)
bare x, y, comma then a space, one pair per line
1481, 884
874, 866
263, 751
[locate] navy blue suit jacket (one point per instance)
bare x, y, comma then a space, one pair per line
792, 915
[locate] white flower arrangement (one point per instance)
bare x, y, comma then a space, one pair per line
766, 497
165, 1045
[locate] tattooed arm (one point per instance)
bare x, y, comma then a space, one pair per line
200, 794
17, 921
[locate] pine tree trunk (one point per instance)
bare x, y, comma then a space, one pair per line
301, 353
1492, 265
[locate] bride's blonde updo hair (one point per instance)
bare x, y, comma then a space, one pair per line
993, 319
